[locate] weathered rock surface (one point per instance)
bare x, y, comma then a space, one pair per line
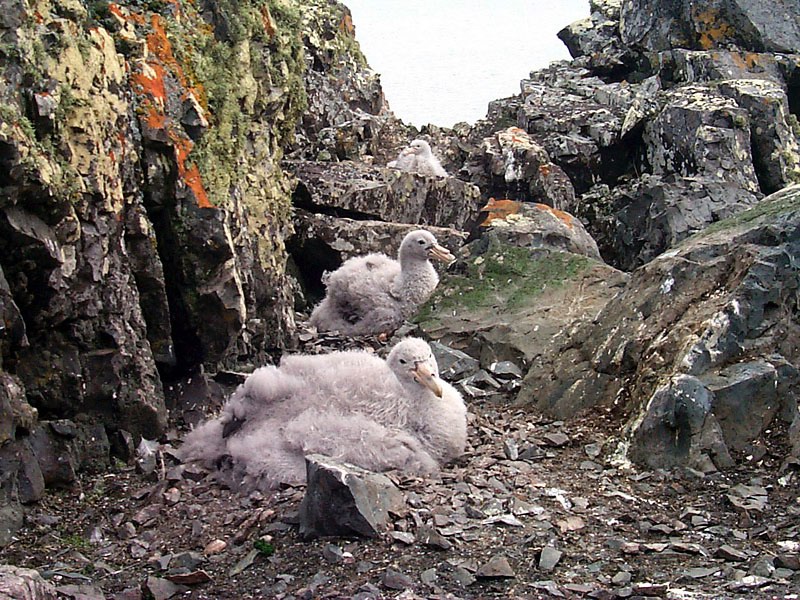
17, 583
345, 500
718, 309
636, 222
354, 189
748, 24
537, 226
511, 165
144, 210
548, 292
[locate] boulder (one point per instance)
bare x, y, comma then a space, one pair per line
345, 500
715, 308
510, 302
537, 226
358, 190
635, 222
596, 39
776, 152
699, 132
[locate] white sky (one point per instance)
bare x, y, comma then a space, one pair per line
443, 61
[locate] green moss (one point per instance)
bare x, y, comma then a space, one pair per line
504, 278
217, 69
769, 208
75, 541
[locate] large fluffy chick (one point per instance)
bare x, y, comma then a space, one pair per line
352, 406
374, 294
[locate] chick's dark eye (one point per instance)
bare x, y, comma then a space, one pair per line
402, 361
421, 242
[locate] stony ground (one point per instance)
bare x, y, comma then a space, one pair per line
535, 509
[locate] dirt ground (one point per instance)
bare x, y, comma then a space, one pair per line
535, 509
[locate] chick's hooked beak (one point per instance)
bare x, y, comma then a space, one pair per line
425, 376
440, 253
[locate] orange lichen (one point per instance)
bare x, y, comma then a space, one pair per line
565, 218
545, 170
189, 173
269, 23
713, 30
346, 26
499, 209
151, 83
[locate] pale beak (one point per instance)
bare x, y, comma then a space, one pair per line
424, 376
440, 253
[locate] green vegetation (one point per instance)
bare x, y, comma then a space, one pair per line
264, 547
222, 73
75, 541
505, 278
784, 202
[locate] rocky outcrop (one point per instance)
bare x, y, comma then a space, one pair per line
143, 217
361, 191
17, 583
661, 101
548, 291
698, 347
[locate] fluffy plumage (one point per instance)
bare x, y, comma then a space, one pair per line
374, 293
417, 157
352, 406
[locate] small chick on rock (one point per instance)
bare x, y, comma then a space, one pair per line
417, 157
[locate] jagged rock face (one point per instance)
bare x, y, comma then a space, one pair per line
357, 190
720, 308
143, 214
636, 222
653, 25
510, 165
577, 118
348, 117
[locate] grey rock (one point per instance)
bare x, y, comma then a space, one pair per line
511, 165
700, 132
163, 589
620, 343
634, 223
17, 583
470, 308
538, 226
429, 536
395, 580
654, 26
385, 194
453, 364
496, 567
776, 153
343, 500
548, 559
